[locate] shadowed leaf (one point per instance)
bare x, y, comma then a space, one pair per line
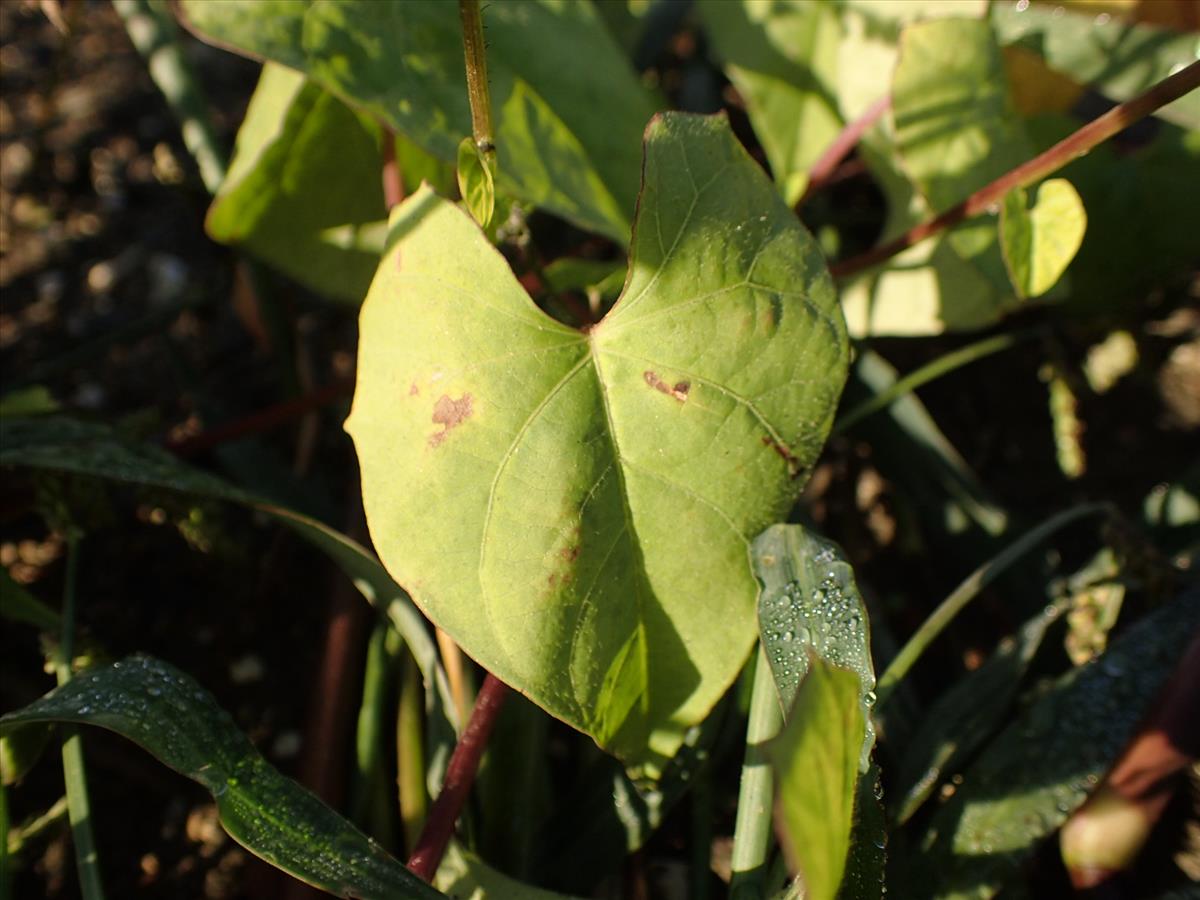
177, 721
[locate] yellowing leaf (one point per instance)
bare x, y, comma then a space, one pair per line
1040, 242
574, 508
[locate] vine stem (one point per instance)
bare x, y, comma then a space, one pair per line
460, 775
393, 178
474, 49
968, 590
1069, 148
752, 830
822, 170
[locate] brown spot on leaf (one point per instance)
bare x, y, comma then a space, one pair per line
793, 464
679, 391
449, 414
413, 390
570, 554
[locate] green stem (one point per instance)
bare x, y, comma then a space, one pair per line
74, 776
5, 872
410, 754
156, 36
1069, 148
943, 365
969, 589
23, 835
474, 49
752, 831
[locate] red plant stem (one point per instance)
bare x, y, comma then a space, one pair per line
822, 170
393, 180
258, 422
1082, 141
460, 775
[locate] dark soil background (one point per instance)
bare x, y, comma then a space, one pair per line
112, 296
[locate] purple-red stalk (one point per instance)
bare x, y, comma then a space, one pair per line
1082, 141
460, 775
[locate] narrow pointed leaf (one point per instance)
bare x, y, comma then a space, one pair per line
1045, 764
816, 760
810, 605
60, 444
171, 716
1039, 242
576, 509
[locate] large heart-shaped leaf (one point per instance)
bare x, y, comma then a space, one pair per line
576, 508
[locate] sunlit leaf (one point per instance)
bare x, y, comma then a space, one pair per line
816, 761
1039, 242
783, 58
308, 205
596, 493
476, 182
1119, 58
172, 717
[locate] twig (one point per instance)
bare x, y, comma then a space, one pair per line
1082, 141
460, 775
823, 169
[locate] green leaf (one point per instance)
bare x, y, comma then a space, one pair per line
810, 605
65, 445
566, 105
465, 876
816, 761
866, 865
783, 59
303, 192
35, 400
576, 509
955, 131
1043, 766
173, 718
967, 714
1132, 193
1039, 242
1120, 59
475, 182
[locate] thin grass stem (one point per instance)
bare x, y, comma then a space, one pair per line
752, 829
87, 860
969, 589
943, 365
